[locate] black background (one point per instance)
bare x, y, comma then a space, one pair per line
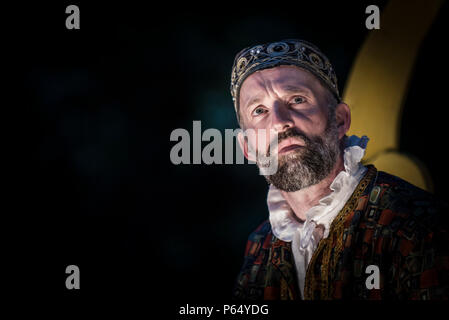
97, 188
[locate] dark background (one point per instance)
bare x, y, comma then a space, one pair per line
98, 188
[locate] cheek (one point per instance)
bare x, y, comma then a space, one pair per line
312, 123
259, 139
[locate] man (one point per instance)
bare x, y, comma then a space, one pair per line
337, 229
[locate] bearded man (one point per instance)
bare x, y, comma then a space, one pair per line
337, 229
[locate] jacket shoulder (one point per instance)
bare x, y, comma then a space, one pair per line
261, 231
258, 237
401, 196
251, 278
398, 208
387, 179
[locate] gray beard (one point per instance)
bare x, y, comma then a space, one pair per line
306, 166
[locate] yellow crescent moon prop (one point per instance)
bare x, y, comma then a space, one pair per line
378, 83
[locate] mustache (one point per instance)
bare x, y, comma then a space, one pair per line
292, 132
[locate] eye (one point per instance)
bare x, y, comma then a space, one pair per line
258, 111
298, 100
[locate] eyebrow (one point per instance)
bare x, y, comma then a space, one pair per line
295, 89
253, 100
287, 88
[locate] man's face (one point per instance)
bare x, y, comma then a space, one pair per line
294, 104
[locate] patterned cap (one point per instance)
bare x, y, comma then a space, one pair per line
286, 52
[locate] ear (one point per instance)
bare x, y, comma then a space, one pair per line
343, 118
243, 142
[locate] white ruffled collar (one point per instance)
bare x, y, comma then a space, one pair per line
283, 221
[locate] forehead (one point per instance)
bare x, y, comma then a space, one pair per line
278, 78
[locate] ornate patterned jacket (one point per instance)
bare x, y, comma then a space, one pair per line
387, 222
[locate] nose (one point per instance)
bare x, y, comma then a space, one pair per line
281, 118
